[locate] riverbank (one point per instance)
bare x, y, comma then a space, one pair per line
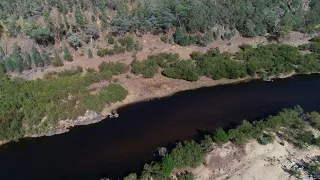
254, 161
140, 89
111, 152
283, 146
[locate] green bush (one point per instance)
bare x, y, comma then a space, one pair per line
90, 55
181, 37
130, 43
148, 68
137, 46
185, 177
66, 54
131, 176
206, 144
115, 67
306, 137
242, 133
122, 41
220, 136
187, 154
315, 39
266, 139
104, 52
314, 118
167, 165
110, 39
182, 70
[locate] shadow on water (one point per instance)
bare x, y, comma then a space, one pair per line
116, 147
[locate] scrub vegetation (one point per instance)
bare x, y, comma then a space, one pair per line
33, 106
271, 60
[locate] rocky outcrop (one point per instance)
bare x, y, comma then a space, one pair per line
90, 117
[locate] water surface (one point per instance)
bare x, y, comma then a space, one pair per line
115, 147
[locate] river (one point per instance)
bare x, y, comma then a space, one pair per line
115, 147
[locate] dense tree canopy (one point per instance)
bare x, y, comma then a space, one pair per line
250, 18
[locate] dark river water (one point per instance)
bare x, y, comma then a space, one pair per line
115, 147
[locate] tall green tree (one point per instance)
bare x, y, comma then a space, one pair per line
48, 20
57, 62
2, 67
8, 64
13, 28
46, 58
27, 62
181, 37
16, 58
90, 55
79, 17
2, 54
36, 57
66, 54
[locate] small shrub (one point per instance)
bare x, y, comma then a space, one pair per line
185, 70
266, 139
130, 43
131, 176
147, 68
137, 46
57, 62
167, 165
187, 154
100, 53
115, 80
116, 68
164, 38
185, 177
90, 55
206, 144
134, 55
220, 136
156, 31
306, 137
90, 70
116, 48
110, 39
245, 46
64, 73
281, 143
315, 39
316, 141
104, 52
122, 41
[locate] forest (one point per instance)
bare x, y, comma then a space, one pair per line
77, 23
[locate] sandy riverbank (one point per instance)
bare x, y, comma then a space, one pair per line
255, 161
